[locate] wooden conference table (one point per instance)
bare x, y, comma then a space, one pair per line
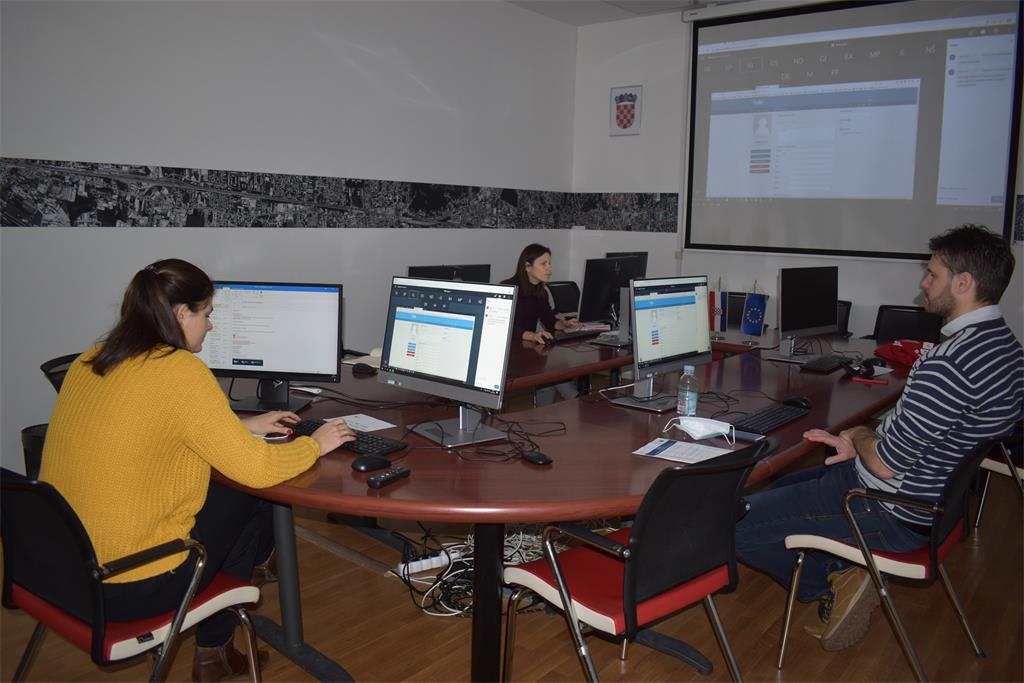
594, 475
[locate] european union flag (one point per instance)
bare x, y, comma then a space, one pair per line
753, 314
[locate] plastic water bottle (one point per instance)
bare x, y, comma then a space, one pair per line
689, 389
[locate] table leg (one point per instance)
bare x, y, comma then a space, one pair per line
287, 637
488, 544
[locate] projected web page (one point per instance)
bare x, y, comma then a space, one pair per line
273, 328
432, 342
671, 320
814, 141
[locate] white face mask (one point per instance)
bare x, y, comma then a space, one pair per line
703, 428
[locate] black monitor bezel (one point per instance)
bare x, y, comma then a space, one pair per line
806, 331
593, 281
643, 370
455, 270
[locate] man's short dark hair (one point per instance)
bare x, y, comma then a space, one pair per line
976, 250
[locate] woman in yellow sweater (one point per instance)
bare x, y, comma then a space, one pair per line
138, 424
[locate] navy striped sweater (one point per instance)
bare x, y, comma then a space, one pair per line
967, 389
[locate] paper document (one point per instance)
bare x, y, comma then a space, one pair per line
680, 451
363, 423
372, 361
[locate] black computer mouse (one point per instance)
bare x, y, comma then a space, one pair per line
536, 457
369, 463
362, 369
877, 362
798, 402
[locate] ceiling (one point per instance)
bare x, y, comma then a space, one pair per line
584, 12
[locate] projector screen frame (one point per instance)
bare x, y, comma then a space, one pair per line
700, 21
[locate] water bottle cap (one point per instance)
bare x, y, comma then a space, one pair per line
688, 369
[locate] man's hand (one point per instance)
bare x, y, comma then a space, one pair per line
845, 449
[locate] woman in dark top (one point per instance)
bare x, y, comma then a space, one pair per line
533, 271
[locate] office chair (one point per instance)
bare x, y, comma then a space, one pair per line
994, 464
51, 572
949, 526
843, 317
32, 439
566, 295
679, 551
56, 368
905, 322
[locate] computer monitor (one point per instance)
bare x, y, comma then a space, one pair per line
480, 272
670, 329
602, 278
450, 339
275, 332
642, 255
808, 301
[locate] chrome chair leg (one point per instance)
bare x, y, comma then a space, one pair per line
1013, 469
30, 651
251, 646
624, 649
568, 611
716, 623
510, 631
896, 622
982, 499
790, 599
959, 607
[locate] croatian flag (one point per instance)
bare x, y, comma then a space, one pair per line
717, 304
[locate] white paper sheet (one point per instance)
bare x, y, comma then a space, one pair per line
363, 423
680, 451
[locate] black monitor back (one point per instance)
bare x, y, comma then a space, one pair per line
602, 279
480, 272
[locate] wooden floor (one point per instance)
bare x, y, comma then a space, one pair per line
368, 623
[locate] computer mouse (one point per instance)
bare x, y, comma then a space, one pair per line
363, 369
547, 341
798, 402
877, 362
369, 463
536, 457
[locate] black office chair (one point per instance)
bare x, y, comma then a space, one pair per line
843, 317
51, 572
950, 525
56, 368
566, 295
679, 551
32, 439
905, 322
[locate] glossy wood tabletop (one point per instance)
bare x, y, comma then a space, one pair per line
594, 473
531, 365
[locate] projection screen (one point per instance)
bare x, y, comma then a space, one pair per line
853, 129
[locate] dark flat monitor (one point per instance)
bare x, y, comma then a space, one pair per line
450, 339
808, 301
275, 332
642, 255
480, 272
670, 329
602, 279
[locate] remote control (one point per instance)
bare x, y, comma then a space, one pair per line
384, 478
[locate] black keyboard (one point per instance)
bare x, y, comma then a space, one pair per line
574, 334
365, 442
825, 363
768, 418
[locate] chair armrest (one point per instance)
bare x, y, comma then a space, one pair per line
143, 557
589, 537
902, 499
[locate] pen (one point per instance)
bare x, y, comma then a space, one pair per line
869, 380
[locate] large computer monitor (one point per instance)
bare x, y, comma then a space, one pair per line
274, 332
807, 301
480, 272
670, 329
450, 339
602, 279
642, 255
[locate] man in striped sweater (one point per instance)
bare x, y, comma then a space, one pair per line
964, 390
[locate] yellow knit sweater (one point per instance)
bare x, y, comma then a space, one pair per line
131, 452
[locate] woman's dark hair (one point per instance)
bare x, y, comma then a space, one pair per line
528, 255
147, 312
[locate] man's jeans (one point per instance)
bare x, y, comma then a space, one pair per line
811, 502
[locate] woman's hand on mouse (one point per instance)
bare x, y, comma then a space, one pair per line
274, 422
333, 434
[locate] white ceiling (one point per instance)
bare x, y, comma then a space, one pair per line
583, 12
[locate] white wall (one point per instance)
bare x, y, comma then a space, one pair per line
470, 93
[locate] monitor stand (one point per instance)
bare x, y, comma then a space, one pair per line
643, 398
787, 353
271, 394
620, 337
463, 430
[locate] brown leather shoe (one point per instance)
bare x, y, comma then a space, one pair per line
265, 572
222, 663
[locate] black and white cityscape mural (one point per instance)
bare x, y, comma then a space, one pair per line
70, 194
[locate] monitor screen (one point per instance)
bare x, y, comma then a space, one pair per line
808, 301
480, 272
449, 339
602, 279
274, 332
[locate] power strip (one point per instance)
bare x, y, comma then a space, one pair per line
433, 562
